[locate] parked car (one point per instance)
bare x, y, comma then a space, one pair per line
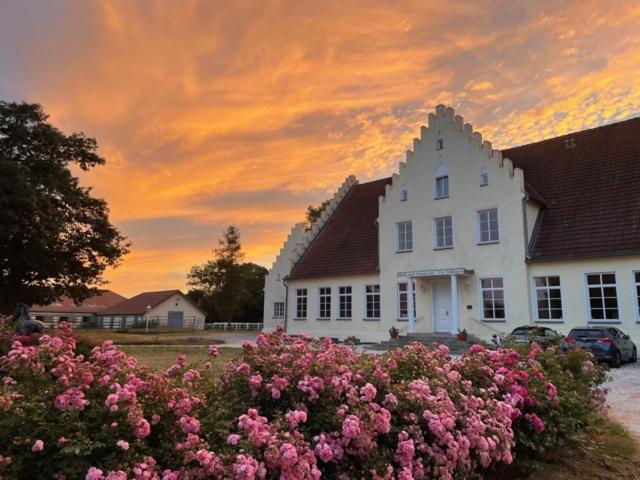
607, 344
526, 334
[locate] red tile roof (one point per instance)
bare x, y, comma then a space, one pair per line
589, 182
92, 304
138, 305
348, 242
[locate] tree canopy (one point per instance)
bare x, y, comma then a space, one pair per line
227, 289
55, 237
313, 213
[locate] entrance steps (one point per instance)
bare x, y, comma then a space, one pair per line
456, 347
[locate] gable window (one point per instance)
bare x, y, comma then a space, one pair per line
344, 303
324, 303
488, 229
484, 177
492, 294
548, 297
404, 234
442, 181
443, 232
403, 303
636, 278
439, 142
603, 296
372, 302
278, 309
404, 193
301, 303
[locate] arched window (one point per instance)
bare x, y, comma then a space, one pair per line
442, 180
404, 193
484, 177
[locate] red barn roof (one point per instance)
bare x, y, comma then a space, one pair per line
91, 305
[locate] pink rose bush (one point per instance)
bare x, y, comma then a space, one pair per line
290, 409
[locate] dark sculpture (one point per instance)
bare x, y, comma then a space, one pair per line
25, 325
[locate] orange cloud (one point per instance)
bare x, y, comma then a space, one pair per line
215, 113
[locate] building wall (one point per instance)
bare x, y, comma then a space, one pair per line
465, 155
177, 303
575, 306
365, 330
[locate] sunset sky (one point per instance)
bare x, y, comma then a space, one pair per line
214, 113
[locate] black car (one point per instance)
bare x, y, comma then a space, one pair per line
607, 344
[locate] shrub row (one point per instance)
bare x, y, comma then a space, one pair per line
291, 408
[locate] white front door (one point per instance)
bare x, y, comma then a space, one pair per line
441, 306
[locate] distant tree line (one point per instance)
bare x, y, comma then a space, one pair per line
227, 289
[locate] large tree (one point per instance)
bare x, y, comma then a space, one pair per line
227, 289
55, 237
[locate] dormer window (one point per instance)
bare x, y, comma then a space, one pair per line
442, 181
484, 177
404, 193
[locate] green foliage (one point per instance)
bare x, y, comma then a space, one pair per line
55, 238
226, 289
313, 213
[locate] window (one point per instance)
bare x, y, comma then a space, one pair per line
372, 302
548, 297
443, 232
439, 142
636, 278
344, 303
492, 291
488, 231
324, 303
442, 181
484, 177
404, 232
301, 303
603, 296
404, 193
403, 305
278, 310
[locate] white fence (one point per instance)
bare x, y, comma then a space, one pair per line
234, 326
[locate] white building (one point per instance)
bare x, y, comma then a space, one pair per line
78, 314
485, 240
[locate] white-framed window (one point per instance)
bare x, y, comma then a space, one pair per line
636, 282
278, 309
403, 303
488, 227
548, 298
443, 232
372, 302
345, 301
442, 181
404, 193
492, 297
324, 303
404, 236
602, 293
301, 303
484, 177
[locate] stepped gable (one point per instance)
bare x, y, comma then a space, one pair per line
347, 243
590, 184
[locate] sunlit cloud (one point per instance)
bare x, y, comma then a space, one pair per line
212, 113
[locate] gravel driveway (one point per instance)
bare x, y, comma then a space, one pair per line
624, 396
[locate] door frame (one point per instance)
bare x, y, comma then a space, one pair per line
433, 300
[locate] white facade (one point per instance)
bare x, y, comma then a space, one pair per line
463, 254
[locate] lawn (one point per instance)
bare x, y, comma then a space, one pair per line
139, 337
159, 357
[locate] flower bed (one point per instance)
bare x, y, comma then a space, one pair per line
293, 408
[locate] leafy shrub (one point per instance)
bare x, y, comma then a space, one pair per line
293, 408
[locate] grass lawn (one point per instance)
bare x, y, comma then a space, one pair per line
138, 337
605, 451
160, 357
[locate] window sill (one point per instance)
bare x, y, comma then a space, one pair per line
323, 319
440, 198
299, 319
277, 318
344, 319
492, 320
606, 322
488, 243
371, 319
404, 251
549, 321
443, 248
402, 319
